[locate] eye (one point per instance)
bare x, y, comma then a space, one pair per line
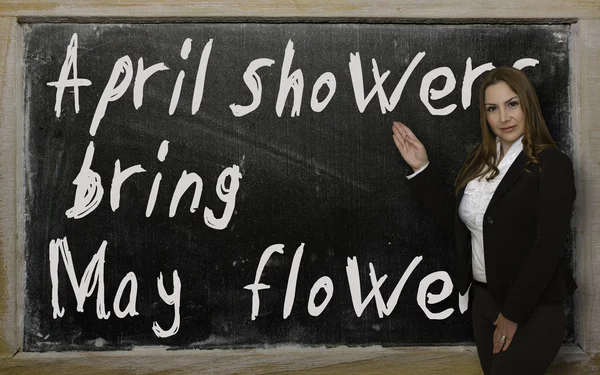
491, 108
513, 104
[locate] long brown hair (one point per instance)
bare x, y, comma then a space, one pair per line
481, 160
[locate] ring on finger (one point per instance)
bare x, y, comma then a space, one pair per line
502, 338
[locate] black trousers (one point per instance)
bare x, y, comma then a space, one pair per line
534, 345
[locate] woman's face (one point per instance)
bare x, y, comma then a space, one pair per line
504, 114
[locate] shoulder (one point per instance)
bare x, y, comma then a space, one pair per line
551, 157
556, 175
556, 169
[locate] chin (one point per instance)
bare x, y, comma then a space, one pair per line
509, 137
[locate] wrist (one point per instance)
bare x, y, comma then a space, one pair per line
420, 167
418, 170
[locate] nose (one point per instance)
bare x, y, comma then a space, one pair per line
503, 115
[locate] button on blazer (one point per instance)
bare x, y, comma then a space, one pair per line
524, 231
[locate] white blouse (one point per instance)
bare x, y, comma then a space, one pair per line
475, 201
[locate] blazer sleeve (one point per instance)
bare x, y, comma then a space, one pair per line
556, 196
432, 192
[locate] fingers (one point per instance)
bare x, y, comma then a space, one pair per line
400, 128
499, 344
497, 341
398, 137
400, 144
413, 152
405, 134
397, 130
507, 343
398, 124
405, 130
497, 338
409, 132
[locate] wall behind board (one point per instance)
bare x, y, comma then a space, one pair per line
313, 184
585, 132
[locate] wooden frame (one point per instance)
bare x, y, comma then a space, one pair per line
586, 135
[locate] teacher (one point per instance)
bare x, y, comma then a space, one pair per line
509, 214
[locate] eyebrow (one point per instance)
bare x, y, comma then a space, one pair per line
514, 97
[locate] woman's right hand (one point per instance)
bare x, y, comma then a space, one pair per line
411, 149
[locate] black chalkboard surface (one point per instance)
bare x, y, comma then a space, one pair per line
236, 184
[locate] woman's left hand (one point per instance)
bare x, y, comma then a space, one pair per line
506, 328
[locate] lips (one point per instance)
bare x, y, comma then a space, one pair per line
508, 129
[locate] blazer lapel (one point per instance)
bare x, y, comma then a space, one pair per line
462, 242
511, 176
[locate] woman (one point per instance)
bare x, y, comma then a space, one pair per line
510, 216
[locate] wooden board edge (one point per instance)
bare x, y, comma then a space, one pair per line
10, 104
11, 246
588, 214
340, 9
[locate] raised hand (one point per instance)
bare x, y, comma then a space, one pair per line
412, 150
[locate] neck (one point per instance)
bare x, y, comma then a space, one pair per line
504, 147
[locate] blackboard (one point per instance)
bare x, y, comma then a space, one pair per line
297, 195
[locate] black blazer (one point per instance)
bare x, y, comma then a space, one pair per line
524, 231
